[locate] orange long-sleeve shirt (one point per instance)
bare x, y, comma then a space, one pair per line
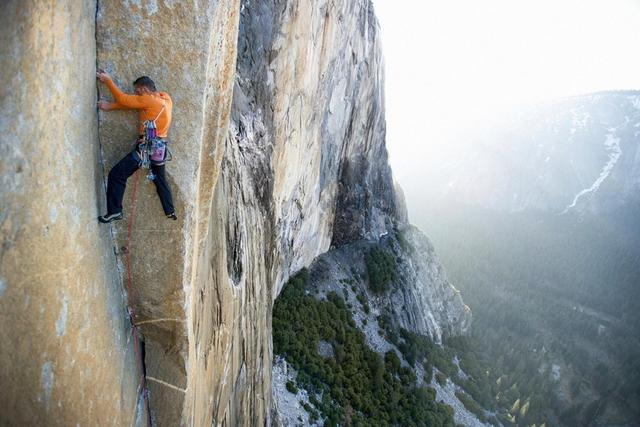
149, 106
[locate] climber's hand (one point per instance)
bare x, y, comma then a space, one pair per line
105, 105
103, 76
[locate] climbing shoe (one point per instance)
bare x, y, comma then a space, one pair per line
172, 216
105, 219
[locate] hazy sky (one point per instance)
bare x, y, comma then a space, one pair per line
451, 64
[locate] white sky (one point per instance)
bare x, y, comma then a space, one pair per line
451, 64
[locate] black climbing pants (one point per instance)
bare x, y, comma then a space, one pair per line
118, 182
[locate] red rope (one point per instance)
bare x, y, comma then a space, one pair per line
130, 296
134, 204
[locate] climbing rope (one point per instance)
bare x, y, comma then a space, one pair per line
130, 298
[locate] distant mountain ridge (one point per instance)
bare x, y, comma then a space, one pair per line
572, 155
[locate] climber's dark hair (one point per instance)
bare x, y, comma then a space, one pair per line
146, 82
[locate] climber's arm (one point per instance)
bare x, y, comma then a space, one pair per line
108, 106
123, 100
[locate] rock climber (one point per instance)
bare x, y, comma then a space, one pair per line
155, 106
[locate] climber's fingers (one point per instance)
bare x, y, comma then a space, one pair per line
104, 105
103, 76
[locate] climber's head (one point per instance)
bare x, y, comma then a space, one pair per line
144, 85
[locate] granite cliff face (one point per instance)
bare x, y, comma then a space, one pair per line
277, 158
304, 165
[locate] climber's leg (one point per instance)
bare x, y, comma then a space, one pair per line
117, 184
164, 190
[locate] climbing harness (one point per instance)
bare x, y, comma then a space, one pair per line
152, 149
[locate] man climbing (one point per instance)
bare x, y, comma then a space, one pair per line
156, 107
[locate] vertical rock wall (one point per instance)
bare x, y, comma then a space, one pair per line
189, 50
66, 353
304, 165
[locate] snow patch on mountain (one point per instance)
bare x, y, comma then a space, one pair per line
612, 145
579, 120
